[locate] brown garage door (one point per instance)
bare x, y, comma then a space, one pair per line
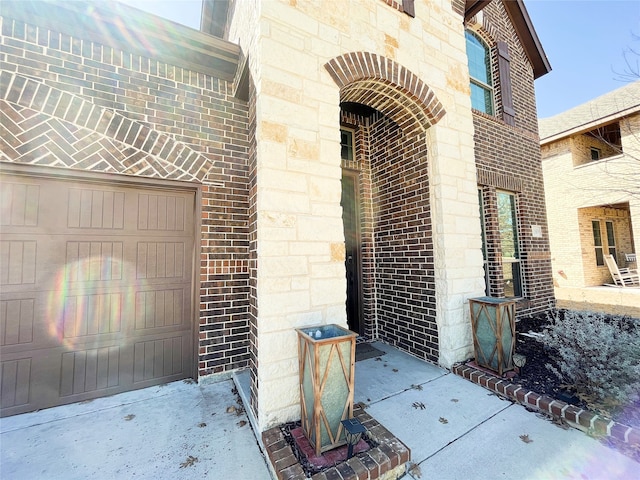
96, 287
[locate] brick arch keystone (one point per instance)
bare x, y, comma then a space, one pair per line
387, 86
70, 131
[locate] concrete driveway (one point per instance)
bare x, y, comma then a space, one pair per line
177, 431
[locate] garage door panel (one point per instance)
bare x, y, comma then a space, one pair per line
33, 384
161, 259
15, 383
26, 322
97, 286
90, 370
16, 321
91, 260
96, 209
17, 262
160, 308
94, 314
20, 204
159, 357
163, 213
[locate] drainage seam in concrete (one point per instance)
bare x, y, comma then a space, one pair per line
466, 433
406, 389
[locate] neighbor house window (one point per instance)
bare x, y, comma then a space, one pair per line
597, 242
346, 144
610, 135
510, 249
479, 59
611, 239
599, 144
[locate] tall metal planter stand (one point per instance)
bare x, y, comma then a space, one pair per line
494, 331
326, 356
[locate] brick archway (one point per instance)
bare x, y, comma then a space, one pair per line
387, 86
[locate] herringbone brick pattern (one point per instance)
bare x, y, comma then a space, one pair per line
80, 135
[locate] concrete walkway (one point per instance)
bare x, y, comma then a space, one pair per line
456, 430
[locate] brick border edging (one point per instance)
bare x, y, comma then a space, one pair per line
389, 455
593, 424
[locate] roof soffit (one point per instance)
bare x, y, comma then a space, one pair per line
524, 29
127, 28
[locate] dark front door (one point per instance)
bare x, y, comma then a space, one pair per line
351, 221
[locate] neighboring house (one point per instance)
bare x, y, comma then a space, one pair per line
175, 205
591, 165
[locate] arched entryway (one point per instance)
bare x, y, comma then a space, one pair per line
385, 112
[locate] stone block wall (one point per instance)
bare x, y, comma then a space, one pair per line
298, 53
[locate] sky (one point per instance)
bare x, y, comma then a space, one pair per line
584, 40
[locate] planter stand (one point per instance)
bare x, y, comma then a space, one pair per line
494, 331
326, 356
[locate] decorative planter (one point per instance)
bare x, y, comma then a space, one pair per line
494, 331
326, 357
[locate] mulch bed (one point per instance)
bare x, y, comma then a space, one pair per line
537, 377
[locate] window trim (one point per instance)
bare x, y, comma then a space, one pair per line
514, 262
487, 88
597, 242
485, 249
612, 248
352, 134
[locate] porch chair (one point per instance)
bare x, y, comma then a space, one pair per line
622, 277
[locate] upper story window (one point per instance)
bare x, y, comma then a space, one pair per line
479, 58
598, 144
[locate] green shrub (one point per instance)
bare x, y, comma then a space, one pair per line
597, 356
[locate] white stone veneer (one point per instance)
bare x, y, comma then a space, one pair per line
301, 278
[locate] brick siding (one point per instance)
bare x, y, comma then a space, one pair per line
85, 105
390, 88
403, 240
396, 233
501, 148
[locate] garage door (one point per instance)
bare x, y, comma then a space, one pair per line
96, 289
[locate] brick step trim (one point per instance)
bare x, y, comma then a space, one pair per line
388, 460
592, 424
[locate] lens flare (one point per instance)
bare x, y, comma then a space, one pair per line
82, 308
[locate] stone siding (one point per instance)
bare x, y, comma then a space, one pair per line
292, 48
